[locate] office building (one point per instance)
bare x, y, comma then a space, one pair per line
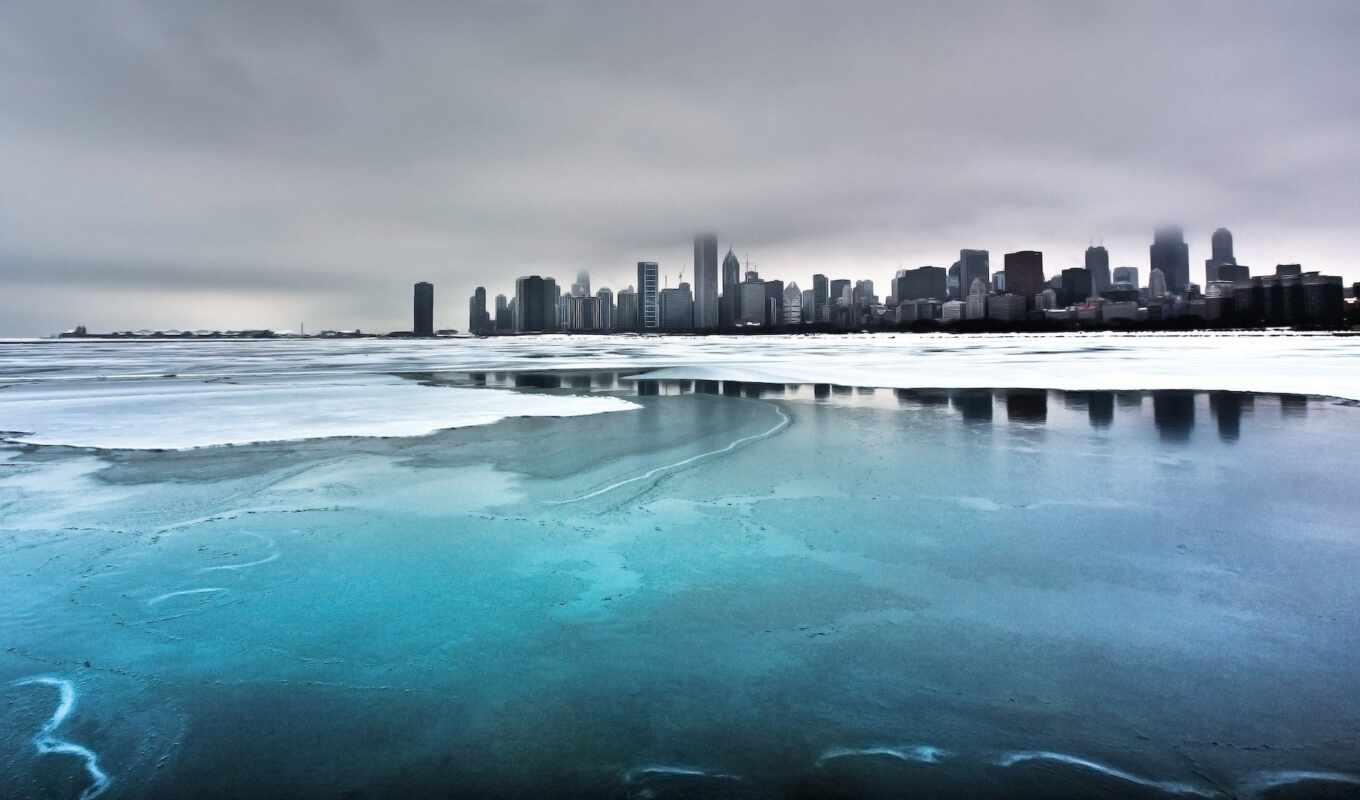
973, 265
729, 306
793, 304
648, 289
1076, 286
1127, 275
1024, 271
1170, 254
821, 295
1098, 266
424, 309
626, 316
531, 303
752, 303
1007, 307
774, 303
605, 309
1157, 288
706, 316
581, 288
999, 281
920, 284
479, 322
676, 308
504, 321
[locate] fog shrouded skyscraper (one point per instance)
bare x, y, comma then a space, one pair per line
973, 265
1170, 254
424, 309
1098, 264
1127, 275
706, 316
1025, 274
730, 306
648, 289
581, 288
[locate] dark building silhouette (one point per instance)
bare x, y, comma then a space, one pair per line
821, 294
922, 283
1171, 255
531, 303
729, 307
1100, 409
1098, 264
706, 316
424, 309
626, 313
774, 304
1221, 264
1076, 285
952, 282
1288, 270
479, 322
973, 265
504, 321
1025, 274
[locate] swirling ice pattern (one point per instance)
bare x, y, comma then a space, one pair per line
666, 771
161, 598
651, 473
1173, 787
1259, 783
274, 556
924, 754
47, 742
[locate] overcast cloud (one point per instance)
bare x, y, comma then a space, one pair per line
260, 163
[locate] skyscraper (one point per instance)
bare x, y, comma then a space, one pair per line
504, 320
1098, 264
676, 308
1076, 286
952, 282
424, 309
1221, 247
530, 304
706, 316
1127, 275
626, 313
793, 304
774, 303
821, 295
1170, 254
478, 320
1025, 274
922, 283
1157, 287
553, 307
973, 265
730, 306
605, 322
649, 312
581, 288
752, 300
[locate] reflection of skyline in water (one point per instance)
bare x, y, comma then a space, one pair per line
1172, 415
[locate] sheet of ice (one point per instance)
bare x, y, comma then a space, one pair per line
170, 414
1273, 361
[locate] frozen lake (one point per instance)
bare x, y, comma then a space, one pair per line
719, 567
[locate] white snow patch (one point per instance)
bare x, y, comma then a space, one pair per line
178, 415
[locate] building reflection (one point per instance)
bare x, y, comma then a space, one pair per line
1226, 409
821, 391
537, 380
1173, 412
1294, 405
921, 397
707, 387
1027, 405
1100, 409
973, 405
647, 388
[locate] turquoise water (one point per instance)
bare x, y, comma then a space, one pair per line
742, 590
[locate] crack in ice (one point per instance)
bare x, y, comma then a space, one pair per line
651, 473
47, 742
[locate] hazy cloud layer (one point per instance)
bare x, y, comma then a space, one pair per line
260, 163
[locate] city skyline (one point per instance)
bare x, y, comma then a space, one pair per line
167, 165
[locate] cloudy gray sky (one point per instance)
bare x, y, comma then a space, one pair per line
262, 163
